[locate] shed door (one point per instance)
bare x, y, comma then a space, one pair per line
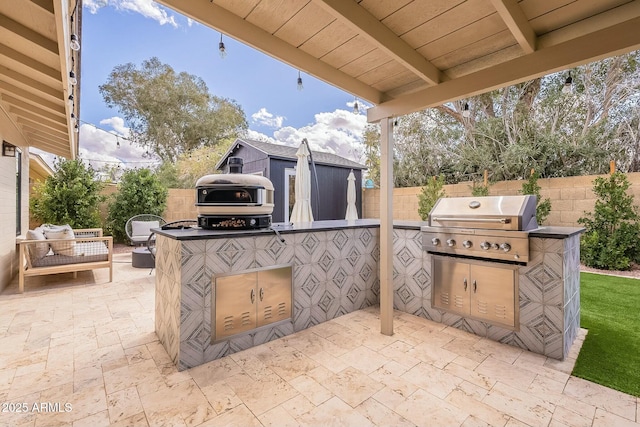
289, 192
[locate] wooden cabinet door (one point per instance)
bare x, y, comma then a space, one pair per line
493, 294
235, 304
451, 285
274, 295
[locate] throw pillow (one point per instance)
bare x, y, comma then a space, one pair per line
38, 250
64, 232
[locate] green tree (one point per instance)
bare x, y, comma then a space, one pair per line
371, 141
171, 113
431, 192
610, 241
543, 207
139, 192
70, 196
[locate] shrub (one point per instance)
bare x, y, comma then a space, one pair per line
479, 190
610, 241
543, 207
70, 196
429, 195
139, 192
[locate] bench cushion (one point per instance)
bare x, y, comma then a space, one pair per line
82, 252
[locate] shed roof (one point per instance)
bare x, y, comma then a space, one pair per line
282, 151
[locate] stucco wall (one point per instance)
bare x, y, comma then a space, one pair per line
8, 248
570, 197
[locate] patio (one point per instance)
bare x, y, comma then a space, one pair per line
91, 344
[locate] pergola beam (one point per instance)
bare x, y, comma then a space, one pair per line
517, 22
361, 21
222, 20
590, 46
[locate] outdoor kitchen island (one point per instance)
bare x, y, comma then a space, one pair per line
335, 270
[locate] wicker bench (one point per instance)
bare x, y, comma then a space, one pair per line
87, 251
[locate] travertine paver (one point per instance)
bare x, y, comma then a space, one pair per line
83, 352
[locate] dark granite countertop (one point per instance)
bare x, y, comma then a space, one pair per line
556, 232
283, 228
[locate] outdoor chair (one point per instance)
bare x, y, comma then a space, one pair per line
138, 227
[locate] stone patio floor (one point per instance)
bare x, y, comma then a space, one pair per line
83, 352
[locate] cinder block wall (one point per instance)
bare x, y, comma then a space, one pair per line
570, 197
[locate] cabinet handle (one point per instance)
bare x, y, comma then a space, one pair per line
475, 286
261, 294
253, 296
465, 283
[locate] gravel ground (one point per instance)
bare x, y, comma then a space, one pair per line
120, 248
633, 273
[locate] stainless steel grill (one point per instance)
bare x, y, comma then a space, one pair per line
494, 227
478, 244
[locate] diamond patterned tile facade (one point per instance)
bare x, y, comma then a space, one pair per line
336, 272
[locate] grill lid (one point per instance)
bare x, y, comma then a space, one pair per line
516, 213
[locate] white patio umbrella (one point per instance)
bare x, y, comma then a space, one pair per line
302, 207
352, 211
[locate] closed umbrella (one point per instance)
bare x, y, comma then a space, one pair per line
352, 212
302, 207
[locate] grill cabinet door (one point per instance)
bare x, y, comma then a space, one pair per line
493, 294
450, 285
235, 304
274, 295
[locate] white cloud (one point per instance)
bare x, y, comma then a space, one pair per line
265, 118
147, 8
338, 132
99, 147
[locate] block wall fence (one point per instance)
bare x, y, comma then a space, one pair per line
570, 198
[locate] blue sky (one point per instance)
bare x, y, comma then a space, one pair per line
116, 32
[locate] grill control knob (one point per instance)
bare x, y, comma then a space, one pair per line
495, 246
485, 245
505, 247
467, 244
435, 241
451, 243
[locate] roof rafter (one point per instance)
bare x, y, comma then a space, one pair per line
517, 22
29, 62
592, 46
355, 16
14, 102
226, 22
28, 34
35, 99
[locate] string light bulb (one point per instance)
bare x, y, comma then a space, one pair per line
221, 48
466, 113
70, 101
76, 128
300, 87
117, 142
72, 78
568, 85
75, 43
356, 107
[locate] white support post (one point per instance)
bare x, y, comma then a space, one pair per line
386, 227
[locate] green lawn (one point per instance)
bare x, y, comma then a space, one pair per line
610, 310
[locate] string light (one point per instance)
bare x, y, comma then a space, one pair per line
466, 113
568, 85
300, 87
356, 107
72, 78
222, 48
75, 43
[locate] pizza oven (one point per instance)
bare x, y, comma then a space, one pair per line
234, 200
